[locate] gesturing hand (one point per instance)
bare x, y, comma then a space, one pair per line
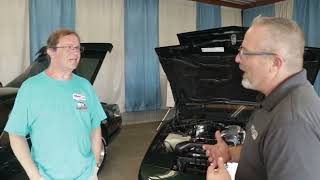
218, 174
218, 150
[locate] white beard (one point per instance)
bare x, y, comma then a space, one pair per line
247, 84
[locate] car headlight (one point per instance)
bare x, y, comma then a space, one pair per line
116, 112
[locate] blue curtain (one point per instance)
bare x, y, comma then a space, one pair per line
208, 16
250, 14
306, 13
142, 76
46, 16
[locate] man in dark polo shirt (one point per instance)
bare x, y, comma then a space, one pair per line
283, 135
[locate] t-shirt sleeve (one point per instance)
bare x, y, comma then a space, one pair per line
97, 113
18, 119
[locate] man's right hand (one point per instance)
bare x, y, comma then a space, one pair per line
220, 173
21, 150
220, 149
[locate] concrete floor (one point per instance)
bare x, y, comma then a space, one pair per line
127, 150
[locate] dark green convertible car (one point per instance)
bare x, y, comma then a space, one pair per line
89, 66
208, 95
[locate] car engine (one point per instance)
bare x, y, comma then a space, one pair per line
186, 142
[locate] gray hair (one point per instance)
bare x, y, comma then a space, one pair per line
284, 37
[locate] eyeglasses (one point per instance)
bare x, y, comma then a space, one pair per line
71, 48
243, 52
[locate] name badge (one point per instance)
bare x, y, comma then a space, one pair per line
78, 97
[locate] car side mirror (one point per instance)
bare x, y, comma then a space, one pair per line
1, 84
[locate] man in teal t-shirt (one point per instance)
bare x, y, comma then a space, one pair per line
61, 113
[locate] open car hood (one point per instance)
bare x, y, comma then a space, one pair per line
230, 36
89, 65
202, 69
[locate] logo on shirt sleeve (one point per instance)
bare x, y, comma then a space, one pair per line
254, 132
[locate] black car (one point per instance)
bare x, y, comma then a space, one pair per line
206, 86
89, 65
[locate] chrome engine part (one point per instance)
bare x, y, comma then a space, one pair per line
233, 135
188, 141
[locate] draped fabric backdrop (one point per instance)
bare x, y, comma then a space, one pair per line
103, 21
175, 16
148, 23
46, 16
230, 17
14, 51
306, 13
208, 16
250, 14
142, 80
284, 9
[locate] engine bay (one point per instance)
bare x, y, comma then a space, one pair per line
186, 141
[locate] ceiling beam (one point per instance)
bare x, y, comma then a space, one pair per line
239, 4
260, 3
221, 3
